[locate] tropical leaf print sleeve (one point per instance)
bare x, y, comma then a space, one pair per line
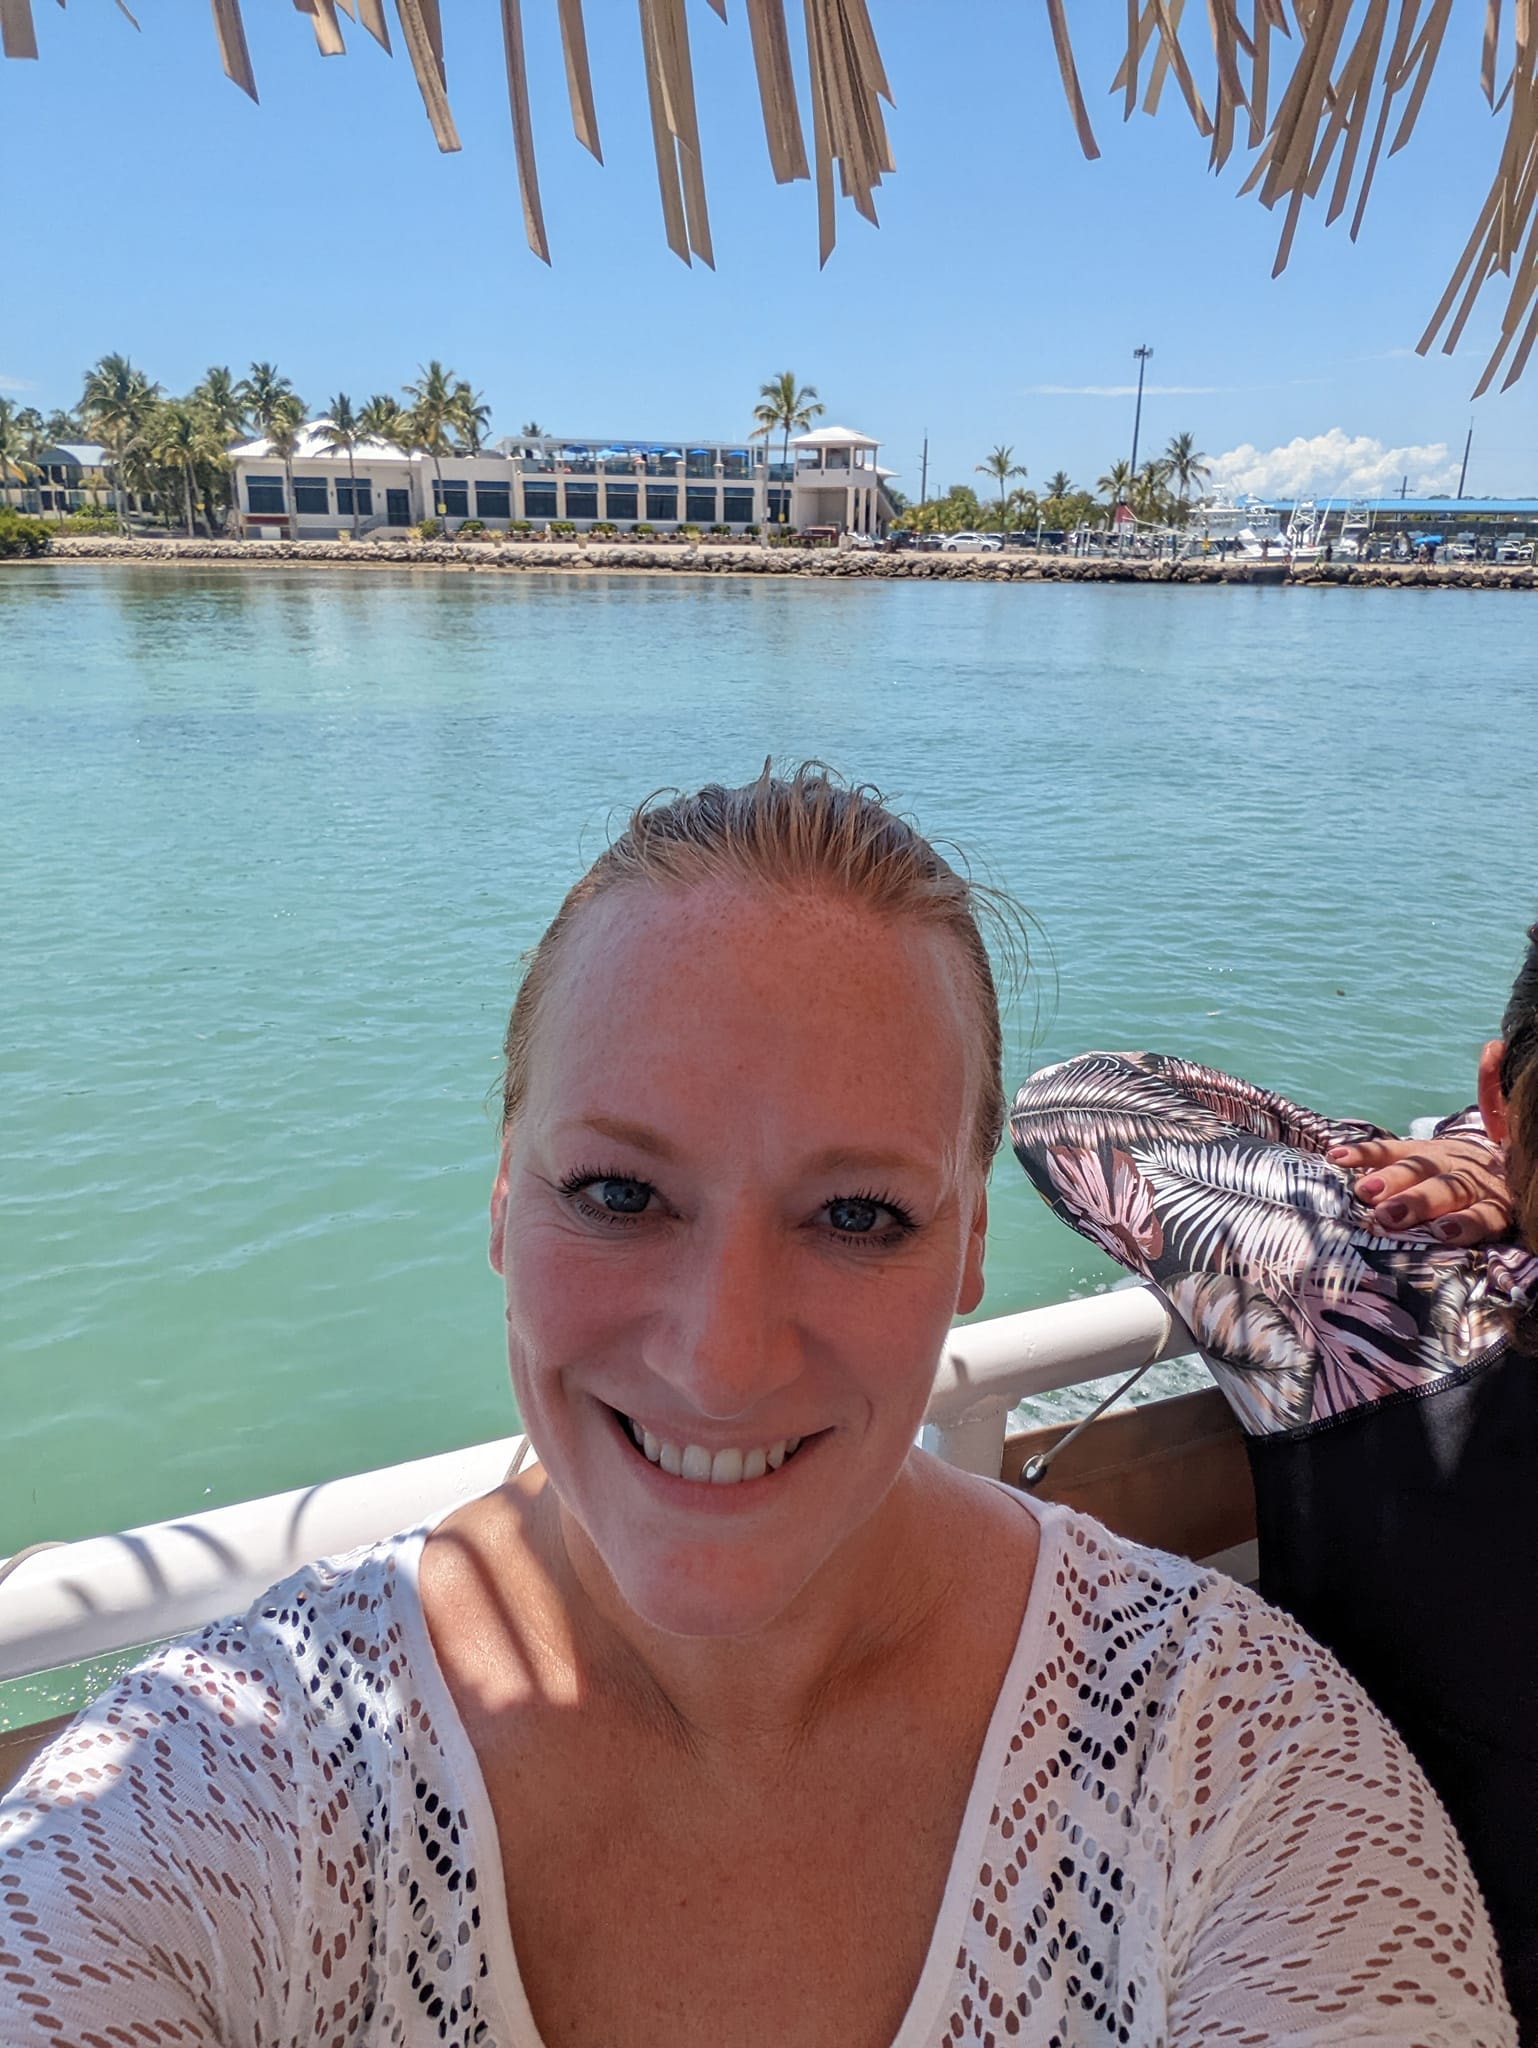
1219, 1191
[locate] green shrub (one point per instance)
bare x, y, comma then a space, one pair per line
750, 533
521, 526
88, 519
605, 526
562, 527
427, 529
719, 528
20, 536
690, 532
643, 529
470, 529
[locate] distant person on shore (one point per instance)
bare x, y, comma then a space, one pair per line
740, 1718
1369, 1305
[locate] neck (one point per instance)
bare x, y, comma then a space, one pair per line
760, 1694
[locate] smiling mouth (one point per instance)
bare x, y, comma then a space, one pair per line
709, 1468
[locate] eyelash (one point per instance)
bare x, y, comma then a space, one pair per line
902, 1225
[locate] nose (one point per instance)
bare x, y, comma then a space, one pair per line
729, 1340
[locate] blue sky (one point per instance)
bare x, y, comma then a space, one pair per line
166, 217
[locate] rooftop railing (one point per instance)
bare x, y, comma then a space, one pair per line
65, 1603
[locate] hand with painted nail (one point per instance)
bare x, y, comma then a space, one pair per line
1453, 1188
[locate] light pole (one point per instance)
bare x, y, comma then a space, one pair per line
1142, 354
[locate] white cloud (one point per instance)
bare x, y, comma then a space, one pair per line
1336, 464
9, 383
1121, 390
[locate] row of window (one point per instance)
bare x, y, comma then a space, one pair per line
494, 500
451, 500
265, 494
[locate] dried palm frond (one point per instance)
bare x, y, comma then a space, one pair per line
1358, 77
1322, 86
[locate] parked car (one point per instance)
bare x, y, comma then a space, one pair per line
1460, 551
988, 543
1514, 548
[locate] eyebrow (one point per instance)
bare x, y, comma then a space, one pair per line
856, 1159
837, 1158
623, 1132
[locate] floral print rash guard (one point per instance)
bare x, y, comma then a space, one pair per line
1219, 1191
1391, 1425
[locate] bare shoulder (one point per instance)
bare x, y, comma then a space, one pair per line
977, 1532
486, 1592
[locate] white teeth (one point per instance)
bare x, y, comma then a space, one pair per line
718, 1468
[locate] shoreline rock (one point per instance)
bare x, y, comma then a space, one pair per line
703, 558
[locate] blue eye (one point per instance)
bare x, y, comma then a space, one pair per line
871, 1219
855, 1215
610, 1197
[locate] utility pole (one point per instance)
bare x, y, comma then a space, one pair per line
1463, 473
1142, 354
924, 471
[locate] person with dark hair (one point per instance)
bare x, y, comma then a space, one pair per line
1369, 1305
739, 1717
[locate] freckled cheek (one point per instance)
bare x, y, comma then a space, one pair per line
569, 1301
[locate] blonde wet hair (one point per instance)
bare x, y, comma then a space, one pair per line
808, 831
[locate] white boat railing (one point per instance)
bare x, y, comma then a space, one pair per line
73, 1601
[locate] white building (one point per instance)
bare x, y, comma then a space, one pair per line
832, 479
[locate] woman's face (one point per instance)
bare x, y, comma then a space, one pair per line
734, 1218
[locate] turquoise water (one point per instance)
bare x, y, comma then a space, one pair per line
272, 845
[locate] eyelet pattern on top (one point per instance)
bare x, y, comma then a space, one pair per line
1197, 1831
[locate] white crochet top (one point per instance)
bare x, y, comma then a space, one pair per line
1187, 1826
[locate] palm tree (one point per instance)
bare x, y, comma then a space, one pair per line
782, 403
1001, 466
1024, 510
533, 428
34, 441
62, 428
474, 417
11, 434
178, 438
1187, 464
219, 400
381, 419
283, 431
1148, 489
263, 391
343, 429
115, 404
1116, 483
435, 416
225, 419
